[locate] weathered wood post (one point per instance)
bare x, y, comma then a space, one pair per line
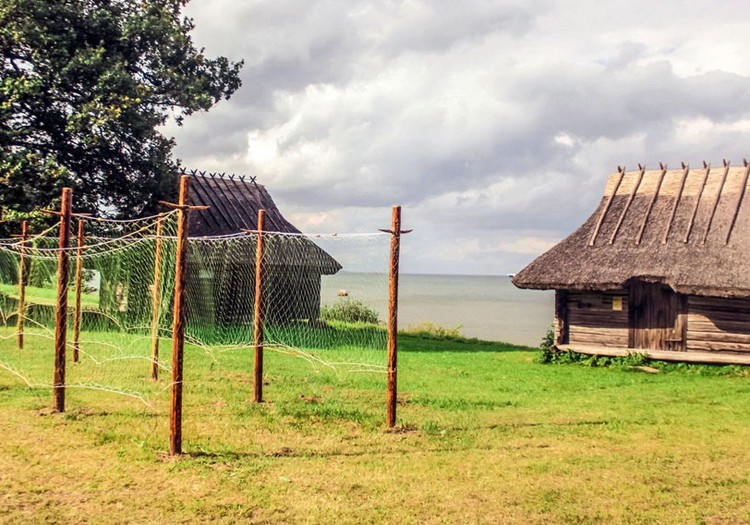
259, 311
22, 283
155, 303
392, 396
61, 315
561, 317
78, 291
178, 322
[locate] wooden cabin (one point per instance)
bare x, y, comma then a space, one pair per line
662, 267
227, 270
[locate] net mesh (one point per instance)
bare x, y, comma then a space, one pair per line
112, 279
324, 299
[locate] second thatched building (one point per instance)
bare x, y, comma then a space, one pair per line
661, 267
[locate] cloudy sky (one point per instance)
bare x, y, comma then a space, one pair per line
493, 123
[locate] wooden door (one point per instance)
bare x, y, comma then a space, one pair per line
653, 315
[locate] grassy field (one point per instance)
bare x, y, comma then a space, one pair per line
48, 295
485, 435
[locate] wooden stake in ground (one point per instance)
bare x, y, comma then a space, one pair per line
22, 284
79, 288
155, 304
178, 322
392, 395
61, 314
259, 311
178, 319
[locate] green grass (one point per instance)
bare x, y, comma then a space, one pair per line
485, 435
48, 295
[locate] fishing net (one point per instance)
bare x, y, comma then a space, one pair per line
323, 297
323, 303
119, 303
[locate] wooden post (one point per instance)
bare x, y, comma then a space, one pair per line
259, 312
178, 324
155, 304
22, 283
393, 317
561, 317
79, 287
61, 315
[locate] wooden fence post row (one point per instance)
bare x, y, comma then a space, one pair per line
178, 324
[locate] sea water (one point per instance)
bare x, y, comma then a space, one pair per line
485, 307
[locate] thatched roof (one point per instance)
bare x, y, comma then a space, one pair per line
686, 228
233, 206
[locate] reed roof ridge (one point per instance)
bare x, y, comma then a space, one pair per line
215, 174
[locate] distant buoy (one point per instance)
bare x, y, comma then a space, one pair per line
342, 293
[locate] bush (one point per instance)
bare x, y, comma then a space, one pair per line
349, 311
548, 355
434, 330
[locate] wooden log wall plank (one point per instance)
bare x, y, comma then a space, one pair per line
718, 324
692, 357
593, 320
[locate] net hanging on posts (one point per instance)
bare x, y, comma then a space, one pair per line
325, 296
117, 272
325, 302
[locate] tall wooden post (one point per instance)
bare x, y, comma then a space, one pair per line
155, 304
61, 315
79, 288
22, 283
178, 323
393, 317
259, 311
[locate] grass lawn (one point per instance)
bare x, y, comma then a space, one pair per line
485, 435
48, 295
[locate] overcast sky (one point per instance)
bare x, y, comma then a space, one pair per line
493, 123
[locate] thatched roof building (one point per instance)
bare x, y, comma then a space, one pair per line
225, 271
660, 265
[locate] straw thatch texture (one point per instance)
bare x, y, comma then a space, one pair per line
686, 228
233, 207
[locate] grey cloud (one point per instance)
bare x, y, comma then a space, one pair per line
628, 53
488, 122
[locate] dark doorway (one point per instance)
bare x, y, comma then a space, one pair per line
653, 313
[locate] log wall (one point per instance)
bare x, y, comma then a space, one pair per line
718, 324
598, 318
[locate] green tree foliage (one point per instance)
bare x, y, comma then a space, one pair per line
85, 86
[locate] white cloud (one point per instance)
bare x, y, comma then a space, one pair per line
495, 123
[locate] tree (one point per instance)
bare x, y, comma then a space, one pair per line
85, 86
